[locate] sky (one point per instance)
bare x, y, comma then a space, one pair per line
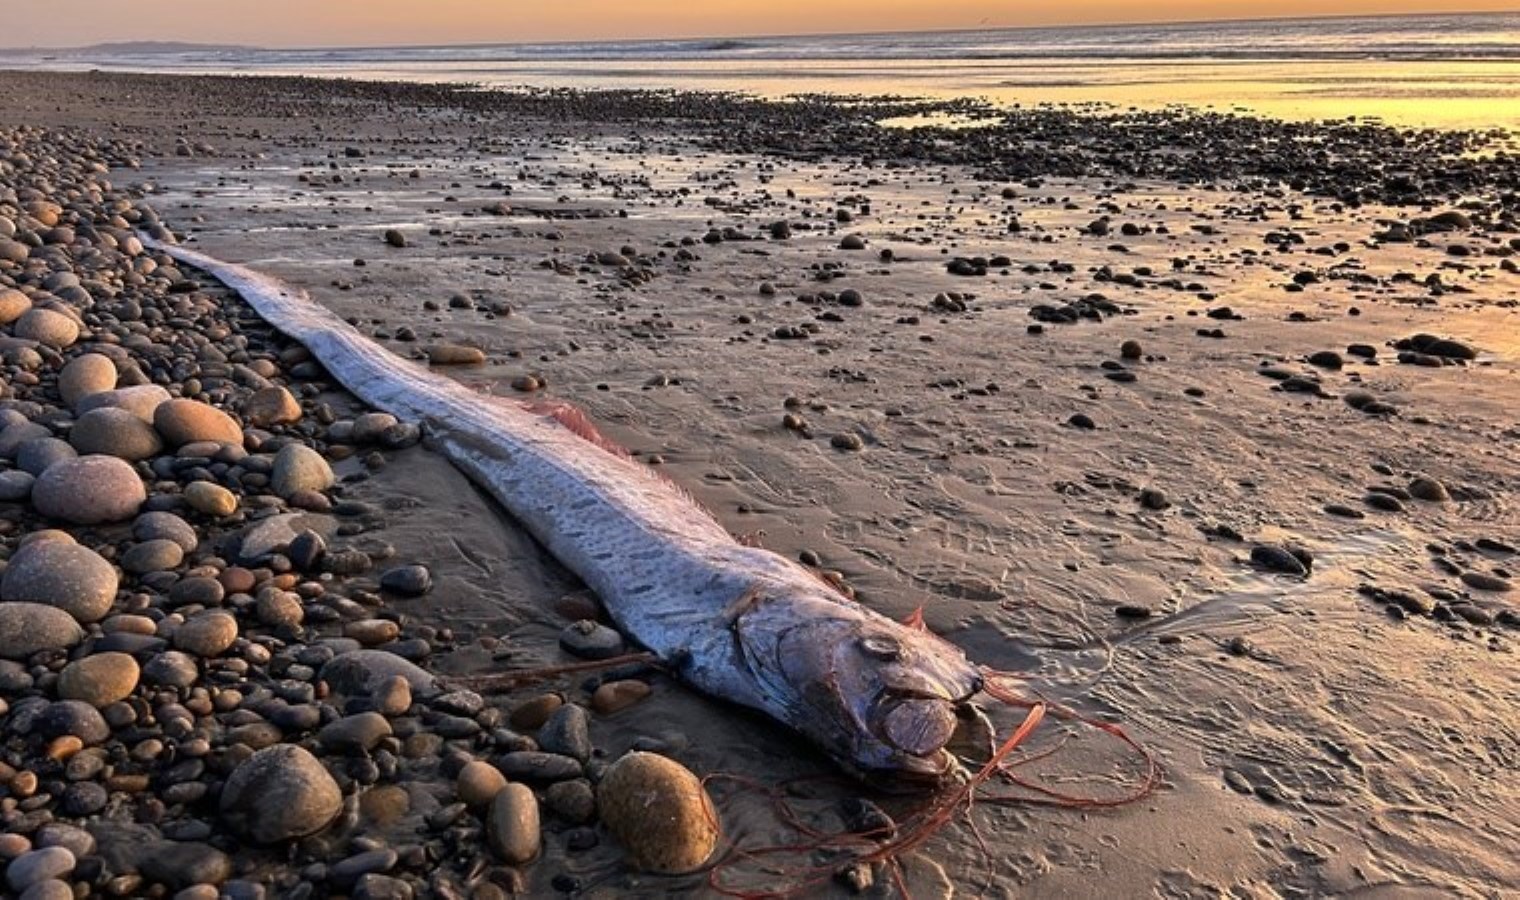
329, 23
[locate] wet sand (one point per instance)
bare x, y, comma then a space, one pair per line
1315, 738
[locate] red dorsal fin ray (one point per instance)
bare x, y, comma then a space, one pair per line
578, 423
574, 420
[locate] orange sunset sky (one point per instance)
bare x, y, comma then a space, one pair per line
293, 23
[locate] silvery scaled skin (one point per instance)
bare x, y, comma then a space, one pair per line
736, 622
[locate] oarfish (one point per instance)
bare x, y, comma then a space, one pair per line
736, 622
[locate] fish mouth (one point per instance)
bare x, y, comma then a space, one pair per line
914, 729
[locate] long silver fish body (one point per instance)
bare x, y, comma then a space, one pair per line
737, 622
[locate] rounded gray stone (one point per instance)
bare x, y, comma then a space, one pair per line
300, 468
28, 628
115, 432
206, 634
68, 576
157, 555
37, 866
46, 326
37, 455
15, 485
278, 794
140, 400
89, 490
152, 526
360, 672
91, 373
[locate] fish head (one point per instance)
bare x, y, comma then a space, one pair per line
880, 697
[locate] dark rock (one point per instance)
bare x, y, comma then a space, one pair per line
408, 581
1277, 559
180, 865
591, 640
533, 765
567, 732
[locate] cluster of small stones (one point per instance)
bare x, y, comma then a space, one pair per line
206, 687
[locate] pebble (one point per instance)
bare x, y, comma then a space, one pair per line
183, 422
99, 680
591, 640
455, 355
197, 590
512, 825
1483, 581
537, 766
348, 872
159, 555
58, 834
12, 302
51, 889
210, 499
37, 455
478, 783
278, 794
299, 468
1384, 502
46, 326
372, 632
75, 579
73, 718
152, 526
1278, 559
408, 581
89, 490
90, 373
115, 432
14, 436
659, 811
847, 441
574, 800
360, 672
139, 400
206, 634
182, 865
393, 697
375, 886
171, 668
355, 734
618, 695
1327, 359
371, 427
1429, 490
1345, 512
37, 866
567, 732
271, 406
280, 609
28, 628
16, 484
306, 550
531, 714
13, 845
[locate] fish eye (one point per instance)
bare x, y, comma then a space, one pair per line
881, 646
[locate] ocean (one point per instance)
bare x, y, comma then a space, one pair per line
1445, 71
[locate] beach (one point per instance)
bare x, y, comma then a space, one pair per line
1203, 425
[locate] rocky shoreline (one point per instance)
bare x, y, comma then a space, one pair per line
190, 609
219, 675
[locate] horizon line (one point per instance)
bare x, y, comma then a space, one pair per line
1073, 26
